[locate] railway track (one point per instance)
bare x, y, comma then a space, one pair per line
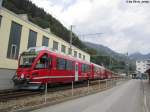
7, 95
14, 94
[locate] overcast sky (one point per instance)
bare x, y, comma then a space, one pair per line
125, 27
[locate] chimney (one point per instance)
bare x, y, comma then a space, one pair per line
48, 30
24, 16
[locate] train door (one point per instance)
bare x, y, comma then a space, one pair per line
42, 67
76, 72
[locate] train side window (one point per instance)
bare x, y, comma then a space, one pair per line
43, 62
85, 67
61, 64
69, 65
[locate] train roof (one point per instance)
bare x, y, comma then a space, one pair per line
98, 66
37, 50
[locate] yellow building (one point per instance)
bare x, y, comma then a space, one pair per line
18, 34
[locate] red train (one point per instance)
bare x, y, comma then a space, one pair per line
38, 66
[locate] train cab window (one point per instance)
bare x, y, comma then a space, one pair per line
43, 62
26, 61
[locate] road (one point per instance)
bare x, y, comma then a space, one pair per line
127, 97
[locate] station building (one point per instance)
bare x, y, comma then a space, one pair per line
17, 34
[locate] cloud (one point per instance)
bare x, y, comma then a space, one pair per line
125, 26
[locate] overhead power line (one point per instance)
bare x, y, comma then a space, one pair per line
90, 35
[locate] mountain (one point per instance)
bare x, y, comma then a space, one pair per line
110, 58
103, 50
139, 56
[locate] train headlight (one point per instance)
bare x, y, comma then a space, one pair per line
22, 76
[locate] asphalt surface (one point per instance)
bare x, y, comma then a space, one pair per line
146, 85
6, 79
127, 97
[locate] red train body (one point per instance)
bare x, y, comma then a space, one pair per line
37, 67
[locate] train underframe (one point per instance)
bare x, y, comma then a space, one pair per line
26, 84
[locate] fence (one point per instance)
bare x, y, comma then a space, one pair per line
92, 87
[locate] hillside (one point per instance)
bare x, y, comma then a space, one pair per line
103, 50
110, 58
139, 56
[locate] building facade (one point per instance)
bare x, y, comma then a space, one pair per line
17, 34
142, 66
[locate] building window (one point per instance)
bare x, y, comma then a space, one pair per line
79, 55
45, 41
70, 51
83, 57
63, 48
75, 53
55, 45
0, 19
14, 41
32, 39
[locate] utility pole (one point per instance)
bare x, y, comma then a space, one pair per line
90, 35
110, 62
127, 64
71, 36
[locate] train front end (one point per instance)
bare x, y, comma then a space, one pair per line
23, 77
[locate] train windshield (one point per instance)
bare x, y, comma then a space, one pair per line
26, 61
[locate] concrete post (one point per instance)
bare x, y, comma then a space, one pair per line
72, 88
99, 84
88, 86
106, 83
45, 92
